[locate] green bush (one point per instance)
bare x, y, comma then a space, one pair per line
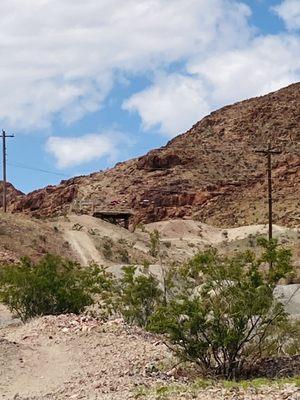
224, 316
138, 295
50, 286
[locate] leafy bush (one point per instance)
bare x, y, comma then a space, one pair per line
224, 315
138, 295
51, 286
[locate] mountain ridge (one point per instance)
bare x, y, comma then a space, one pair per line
210, 173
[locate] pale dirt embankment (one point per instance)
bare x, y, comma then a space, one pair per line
180, 238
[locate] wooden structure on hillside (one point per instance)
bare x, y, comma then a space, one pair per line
115, 217
113, 214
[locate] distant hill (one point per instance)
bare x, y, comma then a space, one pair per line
210, 173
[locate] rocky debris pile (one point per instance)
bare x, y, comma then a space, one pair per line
8, 257
80, 357
69, 323
59, 324
278, 367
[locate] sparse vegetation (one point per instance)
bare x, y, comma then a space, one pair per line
77, 227
138, 295
216, 311
92, 231
190, 390
50, 286
107, 244
124, 255
224, 316
154, 243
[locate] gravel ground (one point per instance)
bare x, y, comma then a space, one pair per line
70, 357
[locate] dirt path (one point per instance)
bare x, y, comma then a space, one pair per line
31, 370
59, 358
83, 246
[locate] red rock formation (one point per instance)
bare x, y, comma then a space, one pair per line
210, 172
12, 194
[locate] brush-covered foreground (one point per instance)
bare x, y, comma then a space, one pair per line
80, 357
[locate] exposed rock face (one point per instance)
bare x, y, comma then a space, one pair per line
50, 199
153, 161
210, 172
12, 194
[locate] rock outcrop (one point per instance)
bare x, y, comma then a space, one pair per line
210, 173
12, 194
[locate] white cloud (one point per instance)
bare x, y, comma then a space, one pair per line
176, 102
173, 103
72, 151
289, 11
61, 57
266, 65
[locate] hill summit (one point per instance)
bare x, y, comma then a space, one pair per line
210, 173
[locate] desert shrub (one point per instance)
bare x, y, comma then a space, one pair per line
224, 316
50, 286
77, 227
123, 242
107, 245
123, 255
140, 226
225, 234
154, 243
93, 232
138, 295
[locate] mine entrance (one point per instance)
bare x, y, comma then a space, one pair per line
115, 217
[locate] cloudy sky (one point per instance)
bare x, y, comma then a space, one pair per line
85, 84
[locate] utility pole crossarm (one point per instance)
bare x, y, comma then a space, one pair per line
269, 150
266, 152
4, 135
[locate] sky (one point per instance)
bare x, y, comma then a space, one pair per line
84, 85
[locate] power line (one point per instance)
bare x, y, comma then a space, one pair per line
23, 166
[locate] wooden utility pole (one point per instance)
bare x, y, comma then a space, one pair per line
4, 136
269, 152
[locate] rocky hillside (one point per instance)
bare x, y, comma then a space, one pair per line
210, 173
24, 236
12, 194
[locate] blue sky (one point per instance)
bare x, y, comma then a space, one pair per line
86, 86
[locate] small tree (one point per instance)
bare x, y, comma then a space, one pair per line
50, 286
224, 316
138, 295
